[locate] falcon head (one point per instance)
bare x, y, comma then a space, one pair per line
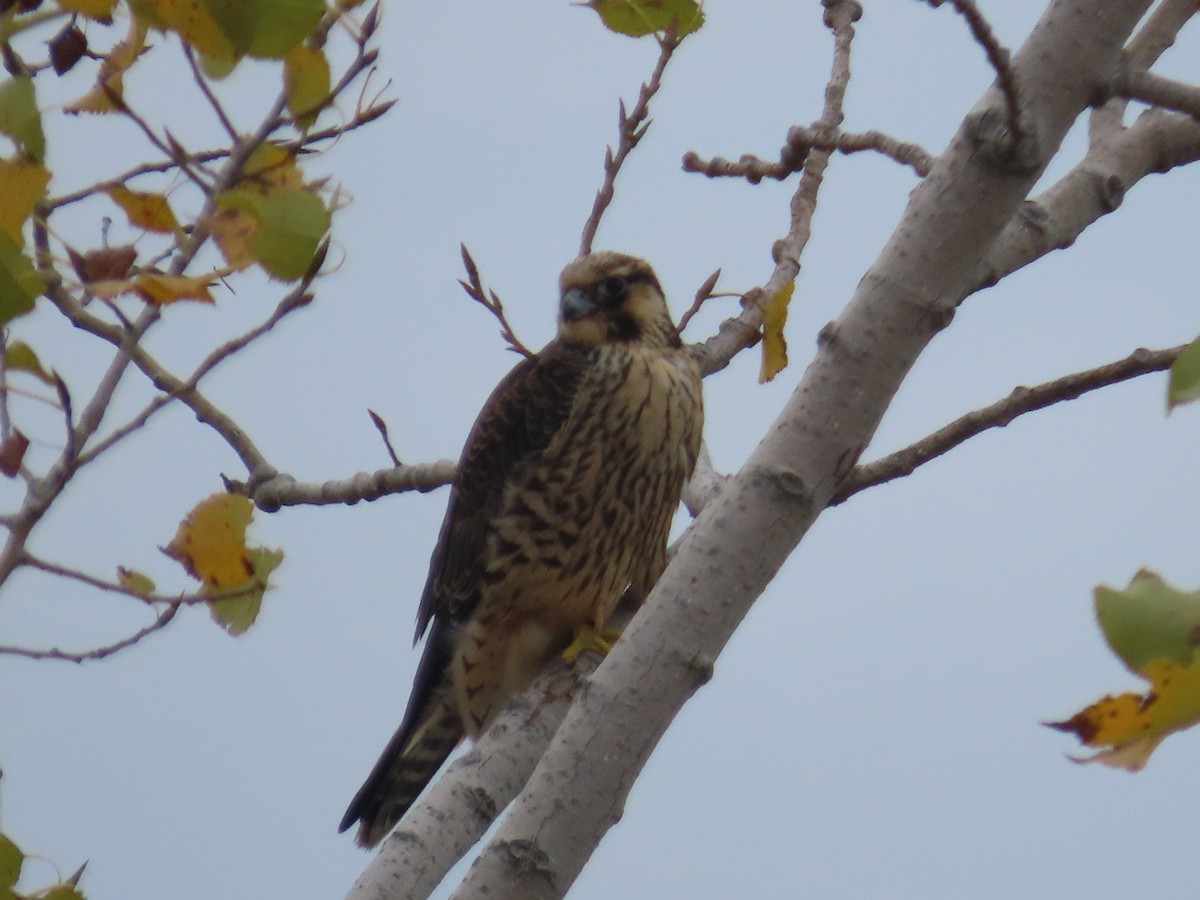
610, 297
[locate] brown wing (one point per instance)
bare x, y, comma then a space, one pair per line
520, 418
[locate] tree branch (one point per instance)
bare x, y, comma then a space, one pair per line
162, 620
998, 415
1157, 142
631, 127
801, 141
1158, 91
739, 332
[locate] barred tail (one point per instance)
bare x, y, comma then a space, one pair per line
431, 729
405, 767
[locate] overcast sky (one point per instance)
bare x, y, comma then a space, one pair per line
872, 729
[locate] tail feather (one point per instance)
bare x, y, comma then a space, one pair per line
431, 729
406, 766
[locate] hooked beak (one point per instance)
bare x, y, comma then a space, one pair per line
577, 304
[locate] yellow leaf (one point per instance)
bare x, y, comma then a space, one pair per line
193, 21
1153, 628
160, 289
232, 230
145, 210
271, 167
100, 10
211, 541
774, 346
1131, 726
306, 77
22, 185
211, 545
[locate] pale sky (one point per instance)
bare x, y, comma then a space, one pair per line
873, 728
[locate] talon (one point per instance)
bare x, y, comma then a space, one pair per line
586, 637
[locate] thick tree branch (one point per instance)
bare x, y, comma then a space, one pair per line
451, 817
1157, 142
1158, 91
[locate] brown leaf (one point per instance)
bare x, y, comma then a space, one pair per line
12, 451
108, 264
67, 48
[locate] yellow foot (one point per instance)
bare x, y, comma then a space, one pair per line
588, 638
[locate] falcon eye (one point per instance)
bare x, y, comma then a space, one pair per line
614, 288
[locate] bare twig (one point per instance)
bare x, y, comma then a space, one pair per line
490, 301
1001, 62
113, 587
202, 83
704, 292
631, 128
295, 299
381, 427
801, 141
739, 332
163, 619
1021, 401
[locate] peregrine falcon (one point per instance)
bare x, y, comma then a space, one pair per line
561, 505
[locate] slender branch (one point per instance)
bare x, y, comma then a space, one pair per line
1000, 60
490, 301
739, 332
632, 127
1158, 91
202, 83
163, 619
999, 414
282, 490
295, 299
113, 587
801, 141
703, 293
369, 114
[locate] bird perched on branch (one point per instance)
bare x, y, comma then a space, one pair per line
562, 502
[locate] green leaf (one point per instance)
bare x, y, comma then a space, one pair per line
20, 119
306, 75
20, 284
20, 357
1149, 620
268, 29
236, 614
290, 223
638, 18
133, 580
63, 892
11, 859
1184, 386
